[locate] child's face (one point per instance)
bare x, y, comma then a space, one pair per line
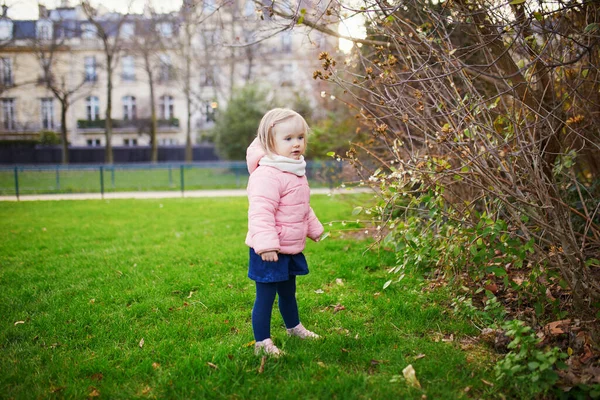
290, 139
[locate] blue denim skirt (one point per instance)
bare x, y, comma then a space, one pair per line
278, 271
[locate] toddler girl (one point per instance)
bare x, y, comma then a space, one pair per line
279, 220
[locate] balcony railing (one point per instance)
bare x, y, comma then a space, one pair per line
139, 123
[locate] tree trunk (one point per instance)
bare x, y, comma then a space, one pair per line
153, 123
63, 130
108, 156
189, 156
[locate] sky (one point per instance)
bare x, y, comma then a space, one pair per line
28, 9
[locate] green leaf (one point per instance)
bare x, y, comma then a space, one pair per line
331, 154
357, 210
388, 283
391, 18
585, 73
591, 27
538, 15
515, 2
592, 261
499, 272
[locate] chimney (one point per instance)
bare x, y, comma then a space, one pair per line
42, 11
4, 10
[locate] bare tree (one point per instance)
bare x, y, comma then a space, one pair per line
52, 54
108, 30
492, 108
148, 44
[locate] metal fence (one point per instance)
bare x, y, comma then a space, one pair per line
103, 178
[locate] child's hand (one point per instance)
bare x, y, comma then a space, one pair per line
269, 256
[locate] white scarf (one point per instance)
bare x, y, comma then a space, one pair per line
285, 164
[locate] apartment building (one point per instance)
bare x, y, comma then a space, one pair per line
195, 58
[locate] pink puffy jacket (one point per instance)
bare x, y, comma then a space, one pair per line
279, 217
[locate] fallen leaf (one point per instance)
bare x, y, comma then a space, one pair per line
57, 389
263, 360
142, 343
321, 364
338, 307
419, 356
92, 301
19, 322
411, 376
319, 291
94, 392
97, 377
339, 281
487, 383
190, 295
155, 365
249, 344
146, 390
213, 366
345, 350
557, 327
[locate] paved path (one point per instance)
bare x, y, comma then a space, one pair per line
164, 195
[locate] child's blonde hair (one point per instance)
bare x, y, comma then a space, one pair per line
269, 122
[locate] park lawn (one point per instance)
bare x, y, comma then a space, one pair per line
149, 298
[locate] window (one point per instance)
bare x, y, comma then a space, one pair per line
129, 109
167, 142
165, 68
130, 142
44, 30
6, 29
210, 108
8, 114
128, 68
207, 76
165, 29
47, 112
286, 42
127, 30
89, 31
211, 37
6, 78
93, 142
166, 107
92, 105
90, 69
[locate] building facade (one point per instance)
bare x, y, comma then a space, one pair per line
192, 61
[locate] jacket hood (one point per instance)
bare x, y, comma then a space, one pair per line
253, 155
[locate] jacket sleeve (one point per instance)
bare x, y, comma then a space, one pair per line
263, 198
315, 228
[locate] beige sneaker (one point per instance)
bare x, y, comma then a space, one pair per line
268, 347
302, 332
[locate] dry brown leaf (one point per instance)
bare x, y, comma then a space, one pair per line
97, 376
155, 365
339, 281
141, 343
249, 344
487, 383
146, 390
338, 307
411, 376
190, 295
419, 356
93, 392
557, 327
213, 366
19, 323
321, 364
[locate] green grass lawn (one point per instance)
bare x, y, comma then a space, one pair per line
83, 282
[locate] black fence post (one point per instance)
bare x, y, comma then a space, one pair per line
170, 175
57, 179
102, 182
182, 181
17, 182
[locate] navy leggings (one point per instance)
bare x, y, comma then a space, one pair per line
263, 306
